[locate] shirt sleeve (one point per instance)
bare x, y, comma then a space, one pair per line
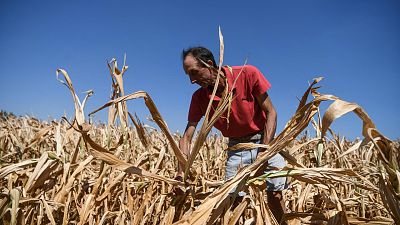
195, 112
259, 83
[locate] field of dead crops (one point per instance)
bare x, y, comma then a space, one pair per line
78, 172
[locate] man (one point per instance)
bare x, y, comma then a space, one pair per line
252, 116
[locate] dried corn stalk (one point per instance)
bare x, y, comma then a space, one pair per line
61, 173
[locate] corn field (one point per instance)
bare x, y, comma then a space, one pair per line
77, 172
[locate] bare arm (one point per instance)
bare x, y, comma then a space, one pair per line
184, 143
270, 124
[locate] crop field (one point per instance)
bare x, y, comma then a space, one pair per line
78, 172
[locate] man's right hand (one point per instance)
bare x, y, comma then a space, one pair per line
179, 177
178, 190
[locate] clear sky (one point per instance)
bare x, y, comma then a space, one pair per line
353, 44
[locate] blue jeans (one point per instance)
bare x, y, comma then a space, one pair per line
243, 157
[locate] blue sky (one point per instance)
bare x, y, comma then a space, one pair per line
353, 44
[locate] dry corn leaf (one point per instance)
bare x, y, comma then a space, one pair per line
15, 198
79, 114
156, 116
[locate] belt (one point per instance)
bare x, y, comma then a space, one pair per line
248, 138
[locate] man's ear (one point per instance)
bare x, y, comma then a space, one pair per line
210, 62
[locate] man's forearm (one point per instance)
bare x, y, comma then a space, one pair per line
184, 147
185, 142
270, 127
270, 124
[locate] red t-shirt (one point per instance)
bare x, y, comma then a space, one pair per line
246, 116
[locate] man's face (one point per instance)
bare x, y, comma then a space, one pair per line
202, 76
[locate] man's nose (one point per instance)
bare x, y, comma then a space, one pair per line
192, 79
